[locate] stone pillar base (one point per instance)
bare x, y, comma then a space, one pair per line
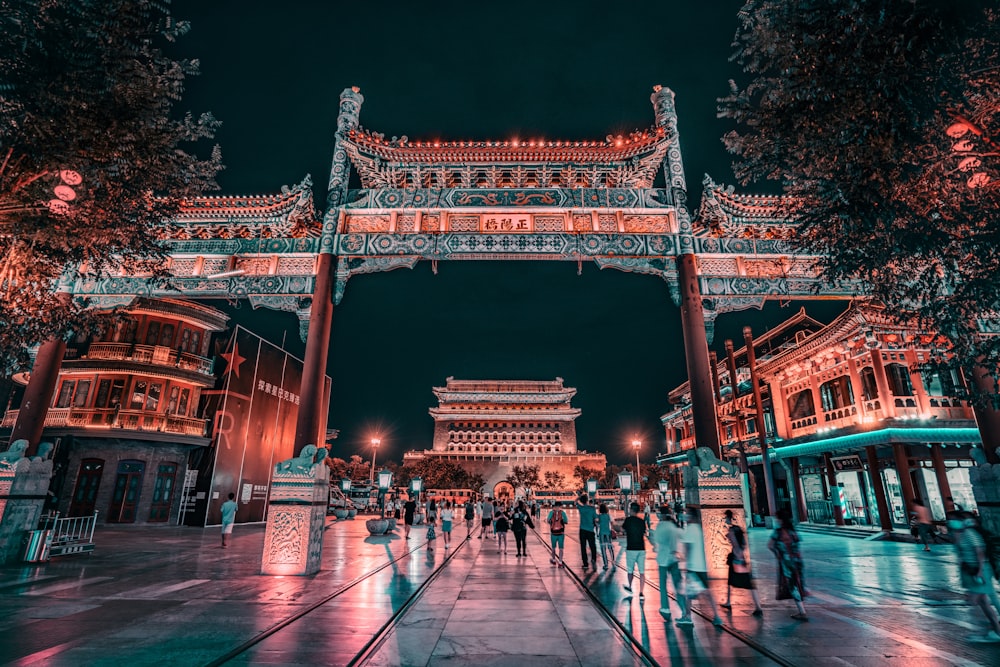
714, 486
296, 515
24, 485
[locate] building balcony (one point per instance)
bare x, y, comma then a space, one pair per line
156, 355
109, 418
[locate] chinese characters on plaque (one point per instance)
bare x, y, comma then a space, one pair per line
507, 222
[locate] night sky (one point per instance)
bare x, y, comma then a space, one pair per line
273, 73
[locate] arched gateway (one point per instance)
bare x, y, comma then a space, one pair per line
474, 200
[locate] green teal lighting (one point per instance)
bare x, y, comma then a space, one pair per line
883, 436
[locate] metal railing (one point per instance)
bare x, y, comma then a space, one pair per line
68, 535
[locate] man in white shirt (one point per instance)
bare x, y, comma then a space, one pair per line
666, 540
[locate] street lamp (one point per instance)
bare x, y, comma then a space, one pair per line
591, 487
637, 444
345, 485
384, 482
416, 486
625, 484
371, 476
664, 488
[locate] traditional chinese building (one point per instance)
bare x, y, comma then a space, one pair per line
490, 426
858, 419
125, 418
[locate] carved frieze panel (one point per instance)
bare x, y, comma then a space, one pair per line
430, 223
463, 223
583, 223
607, 223
406, 223
296, 266
182, 267
367, 223
253, 266
214, 265
549, 223
649, 224
717, 266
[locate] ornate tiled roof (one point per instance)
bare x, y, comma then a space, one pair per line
724, 211
290, 213
618, 161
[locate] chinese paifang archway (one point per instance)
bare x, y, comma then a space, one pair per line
471, 200
480, 200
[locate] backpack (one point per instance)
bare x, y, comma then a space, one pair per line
556, 523
520, 522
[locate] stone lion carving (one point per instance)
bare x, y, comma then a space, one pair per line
14, 453
303, 463
713, 467
44, 451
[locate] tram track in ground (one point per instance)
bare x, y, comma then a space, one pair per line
379, 634
728, 628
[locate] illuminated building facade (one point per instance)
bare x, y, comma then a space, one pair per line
858, 419
489, 426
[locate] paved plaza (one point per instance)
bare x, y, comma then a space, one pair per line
172, 596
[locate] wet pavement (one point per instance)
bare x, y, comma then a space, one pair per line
171, 596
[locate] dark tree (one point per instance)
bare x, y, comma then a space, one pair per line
93, 154
525, 476
881, 120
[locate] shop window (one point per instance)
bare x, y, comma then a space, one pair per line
146, 396
801, 405
898, 376
109, 393
81, 393
869, 387
836, 393
940, 382
65, 394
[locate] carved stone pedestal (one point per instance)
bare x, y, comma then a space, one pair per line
24, 484
714, 486
296, 515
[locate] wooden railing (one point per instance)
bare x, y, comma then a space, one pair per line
150, 354
129, 420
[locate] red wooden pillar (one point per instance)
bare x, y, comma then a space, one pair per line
765, 454
312, 404
903, 472
696, 354
831, 476
800, 500
941, 473
38, 394
875, 477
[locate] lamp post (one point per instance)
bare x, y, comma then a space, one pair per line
591, 487
345, 486
384, 483
416, 486
637, 444
664, 488
625, 484
371, 476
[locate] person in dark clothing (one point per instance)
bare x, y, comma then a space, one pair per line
520, 522
635, 548
409, 509
588, 519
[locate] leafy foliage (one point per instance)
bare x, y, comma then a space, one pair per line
92, 153
525, 476
881, 121
439, 475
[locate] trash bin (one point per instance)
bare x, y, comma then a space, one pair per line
36, 545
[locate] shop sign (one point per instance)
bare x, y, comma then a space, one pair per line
852, 462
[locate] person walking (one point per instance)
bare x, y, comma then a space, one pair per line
447, 516
501, 526
228, 519
470, 516
520, 522
976, 571
605, 535
557, 521
923, 522
486, 518
431, 531
409, 509
432, 510
666, 542
696, 567
588, 521
784, 544
740, 571
635, 549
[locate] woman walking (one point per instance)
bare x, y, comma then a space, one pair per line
447, 516
604, 535
740, 575
784, 545
520, 522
